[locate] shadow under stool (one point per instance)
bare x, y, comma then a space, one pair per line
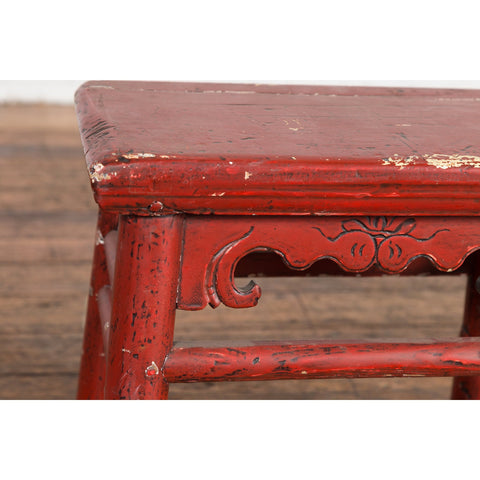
192, 178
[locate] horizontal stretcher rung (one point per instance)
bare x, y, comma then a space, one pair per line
315, 360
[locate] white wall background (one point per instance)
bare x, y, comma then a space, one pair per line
51, 91
62, 91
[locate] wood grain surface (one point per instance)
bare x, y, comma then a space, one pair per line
246, 149
47, 226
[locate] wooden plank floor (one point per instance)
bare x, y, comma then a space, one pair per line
47, 224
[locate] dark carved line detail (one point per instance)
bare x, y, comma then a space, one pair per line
402, 230
355, 244
380, 229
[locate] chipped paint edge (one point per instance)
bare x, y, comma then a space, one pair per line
96, 174
437, 160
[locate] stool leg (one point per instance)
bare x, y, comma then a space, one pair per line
144, 304
468, 388
91, 380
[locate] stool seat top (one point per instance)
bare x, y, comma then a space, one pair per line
232, 149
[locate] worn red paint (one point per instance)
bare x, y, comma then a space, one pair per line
213, 246
143, 307
236, 149
92, 368
204, 176
469, 387
307, 360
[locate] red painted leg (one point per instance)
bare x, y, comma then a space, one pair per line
468, 388
92, 369
144, 303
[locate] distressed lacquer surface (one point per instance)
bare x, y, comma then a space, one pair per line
92, 369
143, 308
202, 176
243, 149
309, 360
467, 388
213, 246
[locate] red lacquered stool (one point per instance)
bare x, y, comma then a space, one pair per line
191, 178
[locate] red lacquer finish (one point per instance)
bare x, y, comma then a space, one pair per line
356, 180
143, 310
307, 360
466, 388
243, 149
92, 369
213, 246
